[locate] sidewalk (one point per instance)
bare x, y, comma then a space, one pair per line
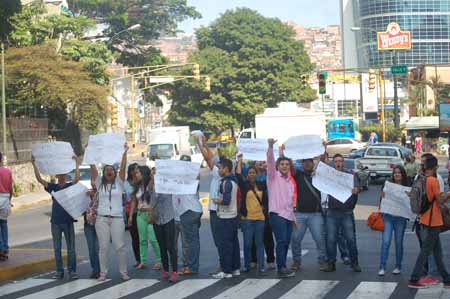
27, 261
30, 200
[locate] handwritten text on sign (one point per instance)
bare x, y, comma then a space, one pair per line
396, 202
176, 177
333, 182
255, 149
54, 157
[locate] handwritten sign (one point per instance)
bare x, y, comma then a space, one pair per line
333, 182
54, 157
396, 202
73, 199
304, 147
176, 177
104, 149
255, 149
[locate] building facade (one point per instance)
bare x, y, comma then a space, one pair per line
427, 20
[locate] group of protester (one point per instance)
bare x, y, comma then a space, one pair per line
266, 200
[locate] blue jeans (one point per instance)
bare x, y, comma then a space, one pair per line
93, 247
430, 267
213, 222
315, 223
396, 225
4, 234
229, 252
282, 229
253, 229
342, 245
69, 234
190, 226
341, 220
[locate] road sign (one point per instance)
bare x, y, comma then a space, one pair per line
399, 69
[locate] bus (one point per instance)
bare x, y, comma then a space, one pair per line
341, 128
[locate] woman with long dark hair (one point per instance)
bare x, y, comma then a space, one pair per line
132, 225
393, 224
141, 204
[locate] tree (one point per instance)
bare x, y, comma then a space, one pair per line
254, 62
7, 9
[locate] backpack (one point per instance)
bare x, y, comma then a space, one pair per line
418, 196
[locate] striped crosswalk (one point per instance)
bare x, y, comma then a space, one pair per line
210, 288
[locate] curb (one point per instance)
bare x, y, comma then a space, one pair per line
18, 207
17, 271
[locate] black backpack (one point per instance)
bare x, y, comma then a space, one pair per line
418, 195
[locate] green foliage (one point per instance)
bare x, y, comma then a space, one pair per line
253, 62
392, 134
229, 151
7, 9
17, 189
149, 56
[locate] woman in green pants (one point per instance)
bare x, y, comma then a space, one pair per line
141, 202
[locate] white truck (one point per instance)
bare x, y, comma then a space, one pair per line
285, 121
168, 143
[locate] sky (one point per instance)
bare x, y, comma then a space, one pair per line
307, 13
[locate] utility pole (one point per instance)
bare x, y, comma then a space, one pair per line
5, 145
396, 110
133, 113
383, 122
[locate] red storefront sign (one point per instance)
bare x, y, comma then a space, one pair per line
394, 38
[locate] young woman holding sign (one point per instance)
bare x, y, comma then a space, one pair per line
109, 223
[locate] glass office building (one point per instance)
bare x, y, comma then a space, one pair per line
428, 21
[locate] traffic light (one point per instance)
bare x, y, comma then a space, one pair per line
372, 80
304, 80
207, 84
322, 83
196, 72
114, 116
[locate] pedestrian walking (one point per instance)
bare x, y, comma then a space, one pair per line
430, 227
140, 205
6, 193
253, 217
393, 225
61, 222
110, 225
281, 207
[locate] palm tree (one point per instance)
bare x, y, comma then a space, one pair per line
436, 85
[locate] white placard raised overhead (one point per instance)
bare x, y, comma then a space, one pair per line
104, 149
304, 147
255, 149
396, 202
176, 177
54, 157
73, 199
333, 182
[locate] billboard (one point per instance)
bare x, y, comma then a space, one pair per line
444, 117
394, 38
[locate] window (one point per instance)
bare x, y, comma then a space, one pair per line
247, 135
346, 141
333, 142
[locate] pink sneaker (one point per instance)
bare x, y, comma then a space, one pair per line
173, 277
164, 275
429, 280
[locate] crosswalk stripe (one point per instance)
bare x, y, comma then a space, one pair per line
373, 289
249, 288
436, 292
183, 289
64, 289
123, 289
310, 289
22, 285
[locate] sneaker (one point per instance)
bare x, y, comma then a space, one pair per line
102, 276
429, 280
173, 277
181, 271
416, 285
164, 275
271, 266
356, 267
58, 275
396, 271
236, 273
285, 273
187, 271
94, 275
346, 261
222, 275
245, 270
381, 272
125, 276
73, 276
141, 267
331, 267
323, 266
296, 266
446, 285
216, 270
157, 266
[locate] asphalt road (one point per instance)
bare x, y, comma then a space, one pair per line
31, 228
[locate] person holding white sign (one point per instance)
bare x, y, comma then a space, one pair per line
340, 216
393, 223
110, 224
62, 222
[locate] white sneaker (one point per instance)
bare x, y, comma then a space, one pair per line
222, 275
236, 272
396, 271
381, 272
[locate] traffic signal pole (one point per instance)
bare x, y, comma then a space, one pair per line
396, 112
381, 89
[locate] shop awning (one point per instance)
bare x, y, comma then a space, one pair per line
423, 123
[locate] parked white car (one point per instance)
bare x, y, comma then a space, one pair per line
196, 156
343, 146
